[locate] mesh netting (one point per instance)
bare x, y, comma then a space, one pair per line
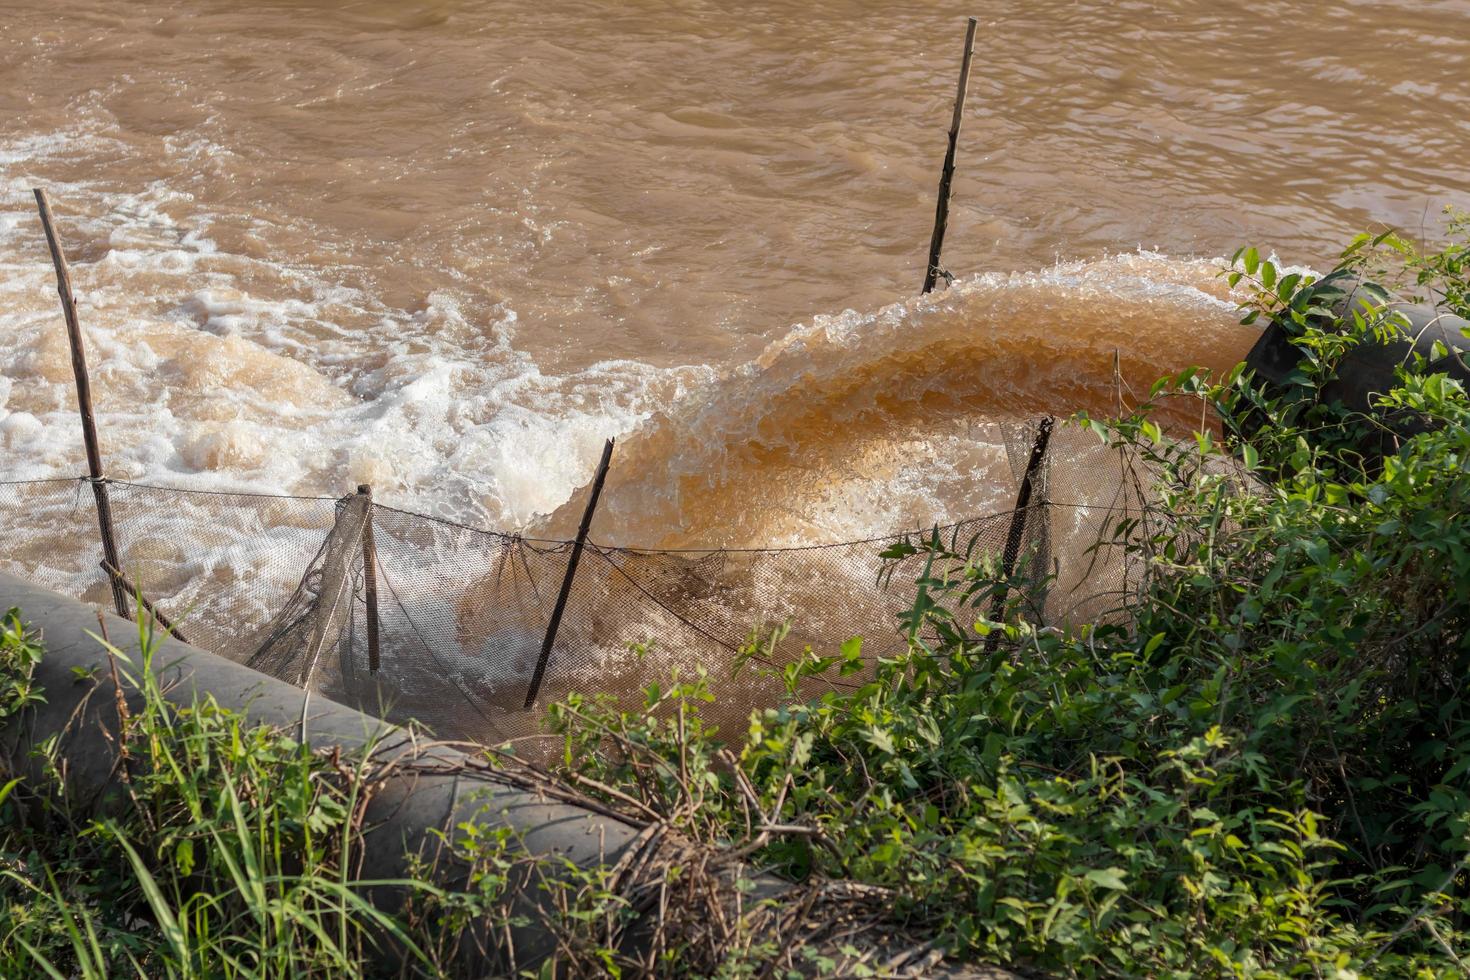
278, 583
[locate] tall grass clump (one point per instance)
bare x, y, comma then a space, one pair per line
229, 850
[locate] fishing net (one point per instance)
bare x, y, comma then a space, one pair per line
461, 614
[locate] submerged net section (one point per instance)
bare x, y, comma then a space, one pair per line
461, 613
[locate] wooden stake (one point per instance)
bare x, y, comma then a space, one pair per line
370, 579
1016, 535
566, 582
84, 399
946, 177
122, 580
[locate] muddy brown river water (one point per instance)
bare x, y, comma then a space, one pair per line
449, 247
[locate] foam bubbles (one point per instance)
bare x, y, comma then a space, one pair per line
229, 368
222, 447
236, 370
20, 429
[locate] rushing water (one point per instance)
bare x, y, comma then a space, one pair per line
448, 247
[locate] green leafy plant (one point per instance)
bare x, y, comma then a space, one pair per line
232, 854
1259, 766
20, 651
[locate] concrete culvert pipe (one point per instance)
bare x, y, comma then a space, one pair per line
435, 788
1438, 337
431, 789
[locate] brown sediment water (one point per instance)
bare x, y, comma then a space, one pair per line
447, 248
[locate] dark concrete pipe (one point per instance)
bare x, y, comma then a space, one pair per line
403, 813
1368, 370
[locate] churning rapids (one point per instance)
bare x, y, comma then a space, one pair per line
448, 247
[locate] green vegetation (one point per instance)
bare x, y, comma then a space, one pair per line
230, 856
1261, 769
1259, 766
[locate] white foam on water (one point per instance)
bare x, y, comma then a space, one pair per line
224, 371
221, 370
202, 380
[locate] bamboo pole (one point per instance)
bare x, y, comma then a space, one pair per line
566, 582
84, 399
946, 177
1016, 534
370, 579
152, 610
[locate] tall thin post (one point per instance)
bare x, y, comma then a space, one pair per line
84, 400
370, 578
566, 582
946, 177
1016, 535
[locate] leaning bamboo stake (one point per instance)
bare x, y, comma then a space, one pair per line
370, 578
946, 177
122, 580
1016, 535
566, 583
84, 400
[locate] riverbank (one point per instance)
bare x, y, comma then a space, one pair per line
1256, 764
